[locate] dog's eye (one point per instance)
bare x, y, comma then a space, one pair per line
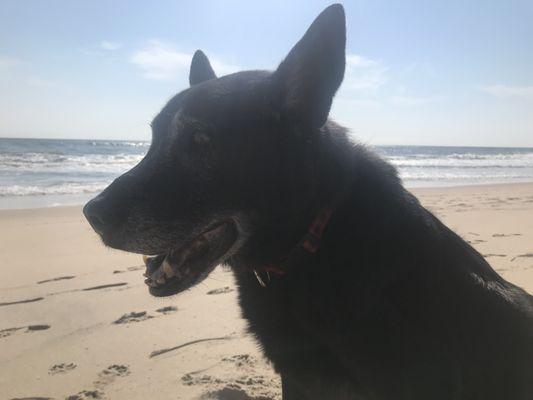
199, 144
193, 137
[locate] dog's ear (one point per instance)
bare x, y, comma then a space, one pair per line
313, 71
200, 69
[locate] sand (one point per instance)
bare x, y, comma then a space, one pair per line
76, 320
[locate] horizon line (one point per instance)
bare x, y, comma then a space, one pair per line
365, 144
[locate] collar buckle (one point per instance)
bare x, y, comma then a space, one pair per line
260, 280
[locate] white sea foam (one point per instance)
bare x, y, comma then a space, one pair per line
61, 188
468, 160
63, 167
65, 163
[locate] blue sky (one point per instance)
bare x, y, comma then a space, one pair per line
419, 72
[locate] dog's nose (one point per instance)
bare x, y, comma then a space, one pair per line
99, 215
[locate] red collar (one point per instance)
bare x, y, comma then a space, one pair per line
309, 244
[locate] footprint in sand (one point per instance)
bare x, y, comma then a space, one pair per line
105, 377
167, 310
10, 303
232, 392
40, 327
111, 373
248, 385
193, 380
251, 380
527, 255
62, 368
223, 290
86, 395
59, 278
133, 317
241, 360
109, 285
476, 241
30, 328
8, 332
121, 271
136, 268
494, 255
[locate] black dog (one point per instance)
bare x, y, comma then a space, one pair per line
352, 288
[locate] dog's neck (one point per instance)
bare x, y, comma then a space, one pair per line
320, 181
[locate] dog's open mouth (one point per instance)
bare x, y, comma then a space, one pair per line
183, 267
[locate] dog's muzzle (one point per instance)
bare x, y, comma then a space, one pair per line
187, 265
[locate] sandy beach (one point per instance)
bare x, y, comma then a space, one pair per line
76, 320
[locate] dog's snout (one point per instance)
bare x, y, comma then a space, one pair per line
99, 214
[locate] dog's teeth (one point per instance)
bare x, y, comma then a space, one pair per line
158, 277
167, 269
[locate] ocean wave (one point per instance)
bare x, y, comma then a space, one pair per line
53, 162
464, 161
465, 175
104, 143
60, 188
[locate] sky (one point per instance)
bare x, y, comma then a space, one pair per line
441, 72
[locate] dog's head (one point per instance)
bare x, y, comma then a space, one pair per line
215, 168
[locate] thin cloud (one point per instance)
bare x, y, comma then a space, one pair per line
364, 74
356, 60
506, 91
161, 61
108, 45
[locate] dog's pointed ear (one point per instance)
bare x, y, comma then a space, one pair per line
201, 69
313, 71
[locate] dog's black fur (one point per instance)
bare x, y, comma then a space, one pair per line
393, 305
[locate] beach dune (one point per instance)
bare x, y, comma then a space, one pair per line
77, 322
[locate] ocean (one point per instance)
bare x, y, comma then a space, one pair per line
47, 172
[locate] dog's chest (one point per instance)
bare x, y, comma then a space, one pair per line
281, 318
